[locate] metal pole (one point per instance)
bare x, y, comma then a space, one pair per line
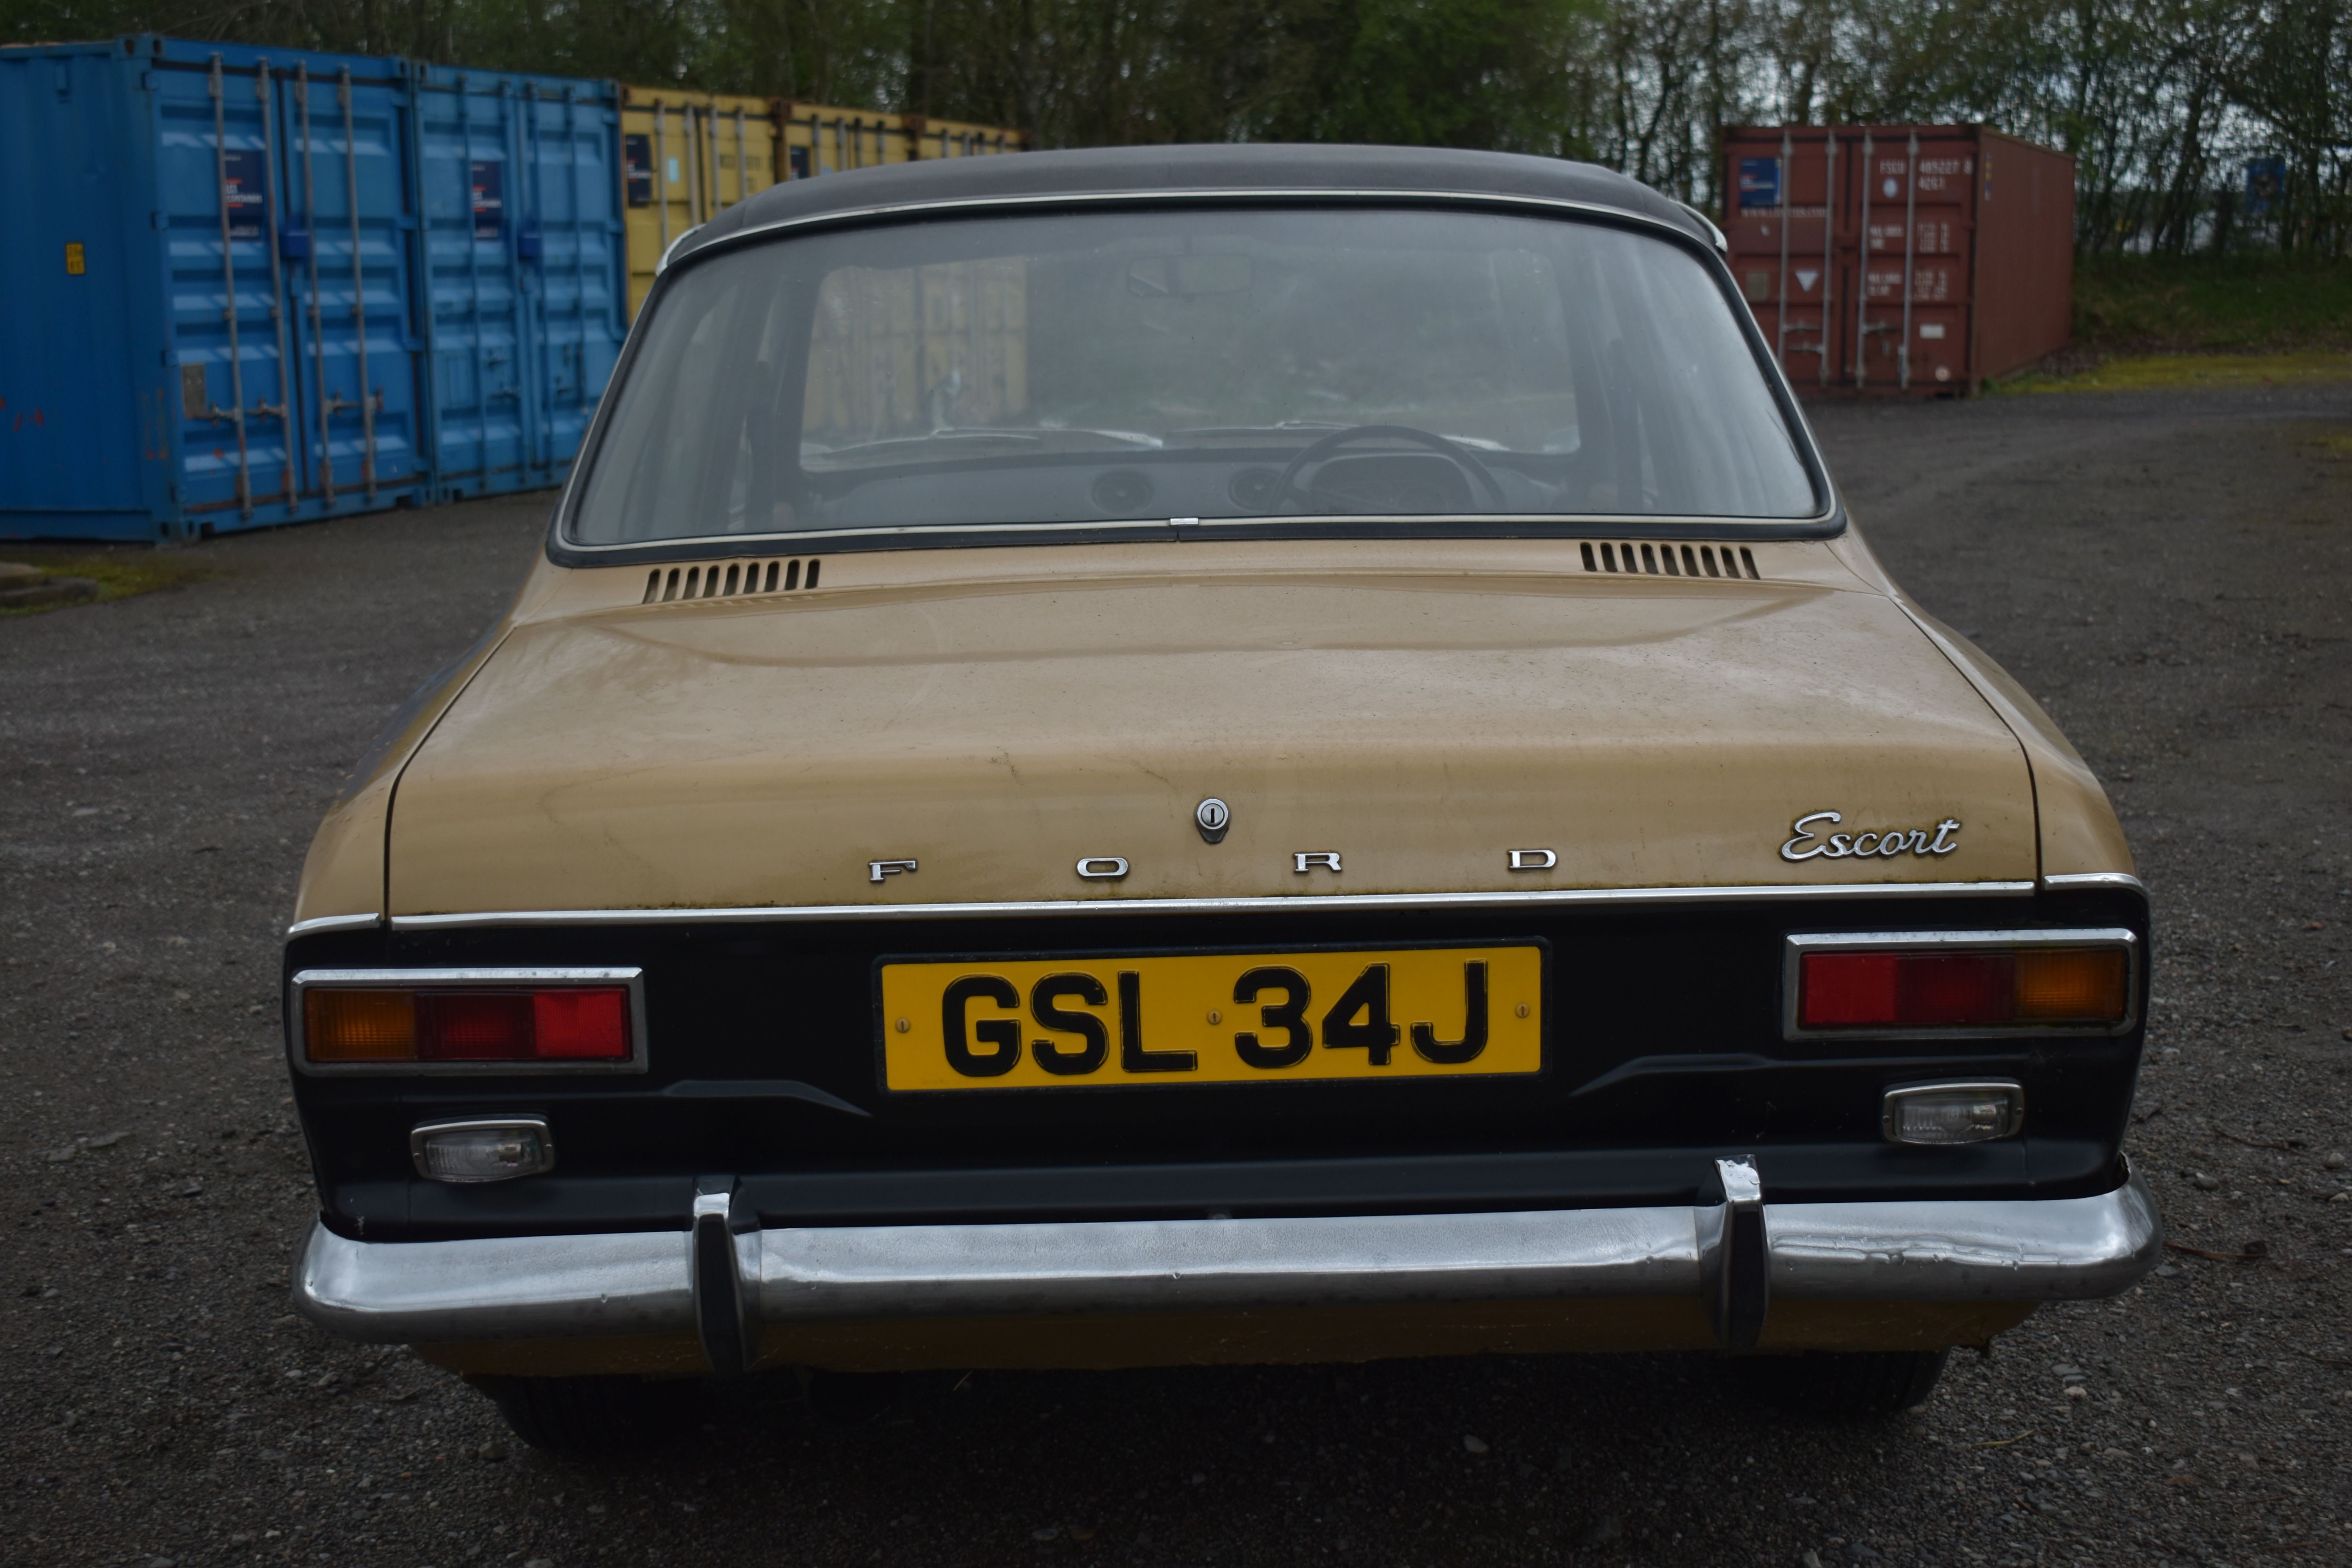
1829, 254
1862, 276
236, 414
318, 334
661, 174
1910, 243
693, 169
358, 286
285, 409
1781, 341
742, 159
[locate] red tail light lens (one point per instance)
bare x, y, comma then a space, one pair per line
473, 1023
1915, 989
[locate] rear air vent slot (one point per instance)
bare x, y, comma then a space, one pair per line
728, 580
1663, 559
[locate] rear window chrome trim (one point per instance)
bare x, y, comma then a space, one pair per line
304, 981
1829, 522
1323, 903
983, 536
1798, 944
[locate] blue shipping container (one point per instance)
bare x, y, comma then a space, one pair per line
525, 268
211, 320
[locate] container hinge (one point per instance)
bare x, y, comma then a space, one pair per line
723, 1294
1740, 1255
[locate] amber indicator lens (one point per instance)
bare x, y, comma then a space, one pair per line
359, 1026
1961, 990
2070, 984
574, 1023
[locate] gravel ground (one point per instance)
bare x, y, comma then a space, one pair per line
2171, 570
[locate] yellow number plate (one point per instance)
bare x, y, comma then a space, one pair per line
1213, 1018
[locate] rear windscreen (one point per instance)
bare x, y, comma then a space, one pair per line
1314, 365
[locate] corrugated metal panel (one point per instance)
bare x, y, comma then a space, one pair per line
1875, 260
209, 320
524, 285
687, 156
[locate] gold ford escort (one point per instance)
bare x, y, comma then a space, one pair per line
1213, 754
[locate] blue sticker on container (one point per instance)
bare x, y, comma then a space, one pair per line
489, 178
1760, 183
245, 192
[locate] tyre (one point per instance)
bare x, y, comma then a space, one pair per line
1849, 1383
591, 1414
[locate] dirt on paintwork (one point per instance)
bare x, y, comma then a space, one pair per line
2171, 572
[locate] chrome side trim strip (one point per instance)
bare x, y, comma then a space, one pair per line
2066, 880
318, 923
1946, 1250
1327, 902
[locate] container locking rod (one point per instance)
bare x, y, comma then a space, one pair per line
318, 334
359, 287
235, 413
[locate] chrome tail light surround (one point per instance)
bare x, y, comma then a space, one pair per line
459, 981
1797, 948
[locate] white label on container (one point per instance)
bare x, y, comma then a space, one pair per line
1805, 276
1931, 329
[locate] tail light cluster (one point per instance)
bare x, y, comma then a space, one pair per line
498, 1020
1938, 983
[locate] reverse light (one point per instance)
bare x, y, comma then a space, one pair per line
1941, 982
1946, 1113
466, 1152
495, 1020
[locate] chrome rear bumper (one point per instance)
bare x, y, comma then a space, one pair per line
724, 1282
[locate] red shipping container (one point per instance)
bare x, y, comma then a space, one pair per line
1917, 260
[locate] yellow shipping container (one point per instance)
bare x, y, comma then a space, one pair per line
685, 156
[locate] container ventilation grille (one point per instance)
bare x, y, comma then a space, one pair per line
728, 580
1667, 560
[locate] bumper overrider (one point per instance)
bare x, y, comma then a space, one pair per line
726, 1280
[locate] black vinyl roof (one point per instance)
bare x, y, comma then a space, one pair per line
1102, 172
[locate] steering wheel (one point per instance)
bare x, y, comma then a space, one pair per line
1285, 486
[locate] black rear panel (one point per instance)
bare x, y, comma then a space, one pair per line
1665, 1049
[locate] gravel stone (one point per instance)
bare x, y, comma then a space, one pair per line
2173, 572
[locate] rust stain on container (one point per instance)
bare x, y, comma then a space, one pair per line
1900, 260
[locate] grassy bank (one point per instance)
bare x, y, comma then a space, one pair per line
2137, 305
120, 570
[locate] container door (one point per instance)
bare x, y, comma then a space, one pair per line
347, 273
465, 135
221, 186
571, 247
1917, 281
1783, 252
